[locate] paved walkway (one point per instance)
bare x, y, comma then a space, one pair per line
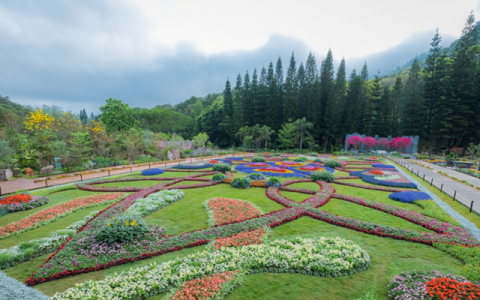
12, 186
473, 180
463, 193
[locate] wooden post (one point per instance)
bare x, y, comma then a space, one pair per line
0, 191
81, 177
454, 195
165, 163
130, 169
423, 177
108, 172
471, 206
441, 188
149, 165
417, 173
431, 182
46, 183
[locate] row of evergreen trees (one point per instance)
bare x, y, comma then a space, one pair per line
440, 103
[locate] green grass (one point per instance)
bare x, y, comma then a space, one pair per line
190, 214
359, 212
143, 183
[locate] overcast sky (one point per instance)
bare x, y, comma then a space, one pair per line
76, 54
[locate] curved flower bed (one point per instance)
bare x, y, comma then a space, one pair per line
233, 158
318, 257
53, 213
383, 166
409, 196
292, 163
151, 172
253, 237
22, 203
269, 171
368, 187
371, 179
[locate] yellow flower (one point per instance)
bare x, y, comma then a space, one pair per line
108, 224
126, 222
116, 222
112, 217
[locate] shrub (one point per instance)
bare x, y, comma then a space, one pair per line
256, 176
313, 154
332, 164
300, 159
322, 176
222, 167
153, 202
318, 160
258, 159
151, 172
285, 158
219, 177
122, 229
273, 181
243, 182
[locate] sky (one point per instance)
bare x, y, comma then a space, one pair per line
77, 54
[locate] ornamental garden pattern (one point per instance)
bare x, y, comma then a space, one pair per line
237, 228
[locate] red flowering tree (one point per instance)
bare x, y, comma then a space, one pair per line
383, 143
401, 143
354, 140
457, 150
369, 142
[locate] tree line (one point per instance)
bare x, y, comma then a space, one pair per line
440, 102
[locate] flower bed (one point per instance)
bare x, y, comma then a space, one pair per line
224, 211
269, 171
368, 187
253, 237
447, 288
241, 183
409, 196
403, 182
292, 163
211, 287
22, 202
151, 172
383, 166
412, 285
156, 201
318, 257
53, 213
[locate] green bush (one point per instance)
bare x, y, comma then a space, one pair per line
222, 167
285, 158
300, 159
258, 159
219, 177
332, 164
243, 182
122, 229
313, 154
322, 176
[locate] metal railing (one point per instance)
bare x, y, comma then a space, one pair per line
452, 192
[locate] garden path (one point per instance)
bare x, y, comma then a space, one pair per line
12, 186
463, 193
452, 172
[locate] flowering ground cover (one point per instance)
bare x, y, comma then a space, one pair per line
183, 224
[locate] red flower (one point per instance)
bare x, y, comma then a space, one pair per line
15, 199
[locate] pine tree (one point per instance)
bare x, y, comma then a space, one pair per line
228, 110
302, 95
238, 104
351, 112
383, 127
290, 101
363, 114
459, 112
274, 116
270, 73
373, 109
281, 92
413, 116
338, 102
248, 107
396, 107
327, 92
254, 95
434, 89
261, 100
312, 94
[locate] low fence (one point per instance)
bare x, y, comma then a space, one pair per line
450, 191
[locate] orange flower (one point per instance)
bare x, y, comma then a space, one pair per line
15, 199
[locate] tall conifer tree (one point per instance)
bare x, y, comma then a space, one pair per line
327, 92
312, 93
228, 110
396, 107
248, 108
338, 102
413, 115
238, 104
302, 93
261, 103
290, 101
254, 95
